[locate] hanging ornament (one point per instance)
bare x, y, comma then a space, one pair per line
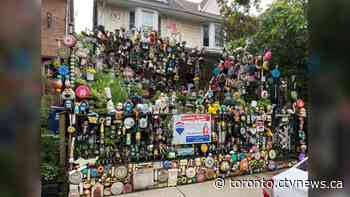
204, 148
300, 103
266, 65
276, 73
69, 41
63, 70
58, 85
268, 56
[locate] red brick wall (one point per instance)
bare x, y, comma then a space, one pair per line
57, 29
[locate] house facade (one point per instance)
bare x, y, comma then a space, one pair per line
196, 23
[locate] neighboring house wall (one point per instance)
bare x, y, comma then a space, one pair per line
57, 8
113, 17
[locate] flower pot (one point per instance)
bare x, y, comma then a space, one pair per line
90, 76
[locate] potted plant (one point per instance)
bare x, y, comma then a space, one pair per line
90, 73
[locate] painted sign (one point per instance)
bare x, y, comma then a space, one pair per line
191, 129
259, 124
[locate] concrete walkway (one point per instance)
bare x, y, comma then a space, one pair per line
207, 189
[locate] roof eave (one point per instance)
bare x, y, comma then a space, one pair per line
165, 8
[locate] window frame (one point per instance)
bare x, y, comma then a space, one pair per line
154, 19
205, 30
219, 26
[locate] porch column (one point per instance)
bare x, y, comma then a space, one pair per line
211, 35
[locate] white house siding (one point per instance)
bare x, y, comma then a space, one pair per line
212, 7
188, 31
113, 17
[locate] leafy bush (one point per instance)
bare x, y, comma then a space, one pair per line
44, 109
49, 158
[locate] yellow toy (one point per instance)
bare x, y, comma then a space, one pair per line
214, 108
269, 132
266, 65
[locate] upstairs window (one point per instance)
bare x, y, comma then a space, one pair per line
148, 21
219, 36
206, 35
132, 20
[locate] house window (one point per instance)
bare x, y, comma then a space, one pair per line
219, 36
213, 35
148, 21
206, 35
132, 20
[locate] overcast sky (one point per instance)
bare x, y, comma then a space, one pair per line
84, 11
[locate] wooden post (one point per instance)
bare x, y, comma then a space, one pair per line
62, 129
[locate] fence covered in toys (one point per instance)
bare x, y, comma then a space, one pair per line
149, 124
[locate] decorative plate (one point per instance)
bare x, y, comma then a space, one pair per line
82, 91
242, 130
257, 155
117, 188
76, 178
209, 162
224, 166
129, 123
143, 123
272, 154
167, 164
121, 172
69, 41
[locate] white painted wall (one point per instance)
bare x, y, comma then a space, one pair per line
113, 17
83, 15
188, 31
212, 7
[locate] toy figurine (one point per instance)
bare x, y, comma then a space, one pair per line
128, 108
68, 97
214, 108
164, 103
